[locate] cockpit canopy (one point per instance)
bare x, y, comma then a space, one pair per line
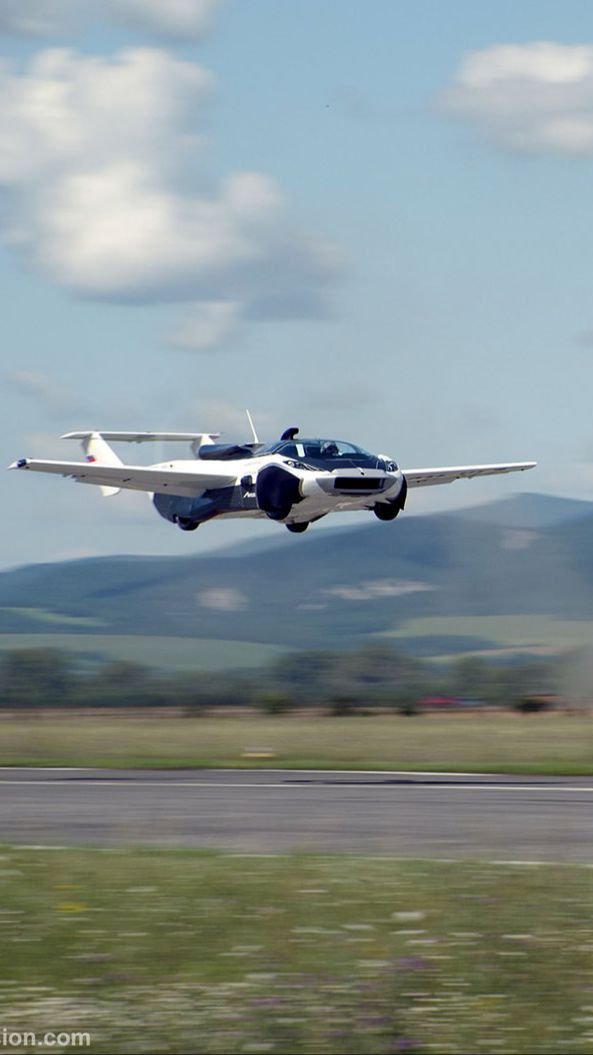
316, 453
324, 453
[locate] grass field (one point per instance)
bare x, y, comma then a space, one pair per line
167, 952
496, 743
168, 653
508, 631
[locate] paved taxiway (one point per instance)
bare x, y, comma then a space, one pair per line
446, 815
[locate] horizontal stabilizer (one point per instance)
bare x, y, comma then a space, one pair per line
195, 439
144, 437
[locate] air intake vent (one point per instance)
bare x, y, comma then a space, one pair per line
358, 483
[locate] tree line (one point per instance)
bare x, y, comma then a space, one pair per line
376, 675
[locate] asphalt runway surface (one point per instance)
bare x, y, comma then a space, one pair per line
401, 814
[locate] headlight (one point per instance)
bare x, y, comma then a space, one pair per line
388, 464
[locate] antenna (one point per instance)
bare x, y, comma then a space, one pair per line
252, 427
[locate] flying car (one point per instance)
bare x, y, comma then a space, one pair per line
293, 480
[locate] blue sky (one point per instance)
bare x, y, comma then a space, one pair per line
371, 220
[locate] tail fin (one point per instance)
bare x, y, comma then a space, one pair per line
97, 449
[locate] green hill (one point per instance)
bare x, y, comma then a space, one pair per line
434, 582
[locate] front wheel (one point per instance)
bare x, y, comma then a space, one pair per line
386, 510
186, 524
299, 527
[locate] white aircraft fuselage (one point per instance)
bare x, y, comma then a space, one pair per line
288, 489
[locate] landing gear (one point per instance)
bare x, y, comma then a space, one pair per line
386, 510
389, 510
277, 491
299, 527
186, 524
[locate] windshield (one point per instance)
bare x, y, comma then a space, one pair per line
318, 448
327, 454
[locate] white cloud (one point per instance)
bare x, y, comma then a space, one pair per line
114, 232
170, 19
178, 19
528, 98
103, 163
72, 113
36, 18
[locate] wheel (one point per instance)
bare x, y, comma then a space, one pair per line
187, 525
276, 491
299, 527
386, 511
279, 512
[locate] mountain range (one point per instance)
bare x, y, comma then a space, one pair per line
514, 574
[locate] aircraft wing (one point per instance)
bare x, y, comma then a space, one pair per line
429, 477
134, 477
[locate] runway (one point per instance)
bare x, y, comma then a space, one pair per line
275, 811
